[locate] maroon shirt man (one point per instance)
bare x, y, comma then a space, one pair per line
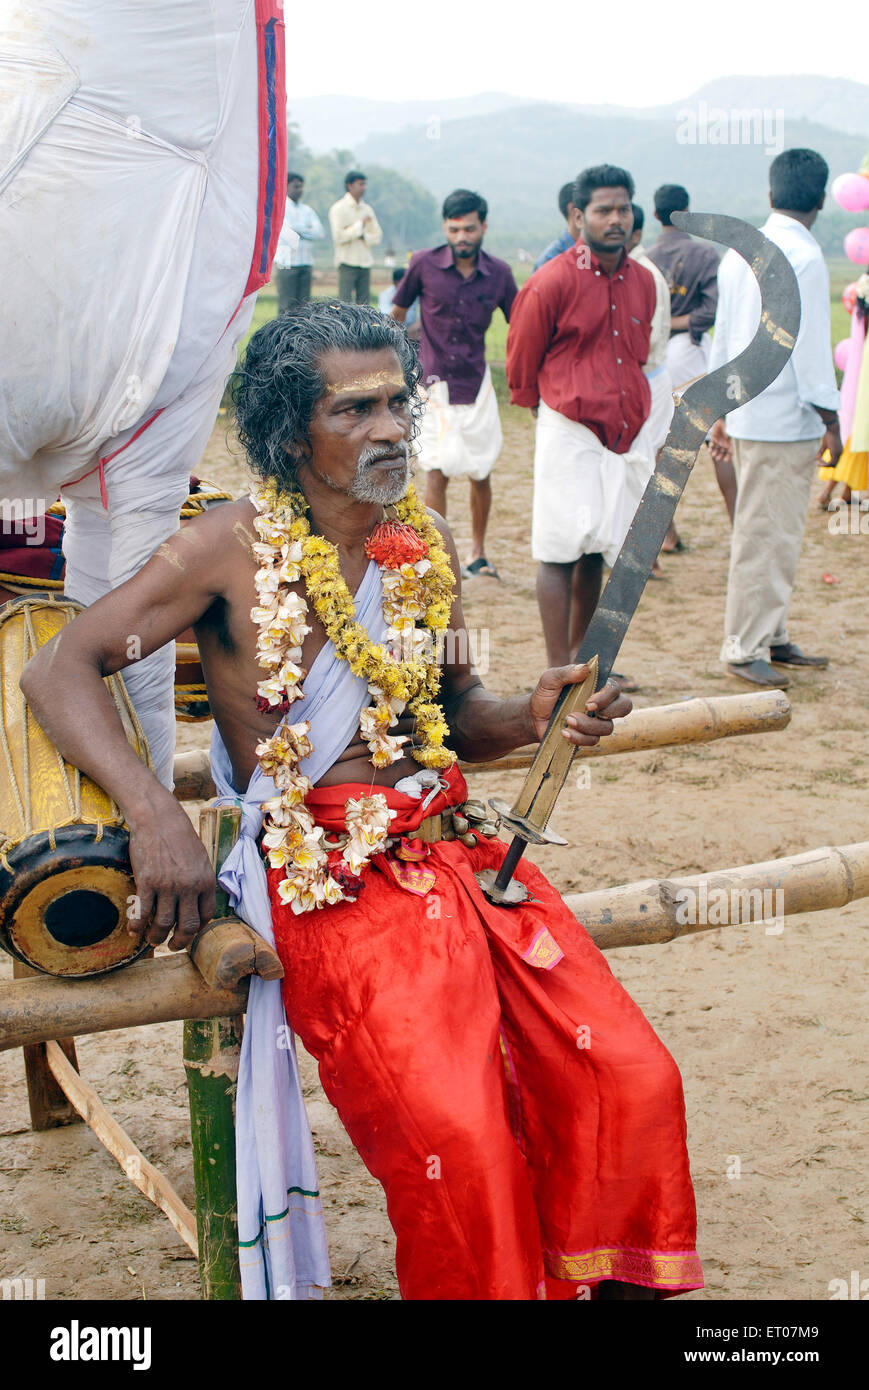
578, 340
579, 335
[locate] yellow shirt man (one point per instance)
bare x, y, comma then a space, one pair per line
355, 230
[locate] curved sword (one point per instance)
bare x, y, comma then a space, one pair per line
704, 402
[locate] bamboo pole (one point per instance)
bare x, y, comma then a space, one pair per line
141, 1173
212, 1048
151, 991
700, 720
640, 914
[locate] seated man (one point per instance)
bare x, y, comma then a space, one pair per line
526, 1123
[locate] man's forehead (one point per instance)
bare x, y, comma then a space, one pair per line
609, 196
361, 371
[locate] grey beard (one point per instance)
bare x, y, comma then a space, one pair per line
366, 488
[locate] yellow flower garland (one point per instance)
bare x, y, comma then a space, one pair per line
413, 593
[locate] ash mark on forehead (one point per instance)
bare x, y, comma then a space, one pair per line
367, 383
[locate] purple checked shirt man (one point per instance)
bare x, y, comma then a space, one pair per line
459, 287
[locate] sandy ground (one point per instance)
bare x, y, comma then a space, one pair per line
770, 1031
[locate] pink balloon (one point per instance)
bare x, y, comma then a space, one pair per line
851, 192
849, 296
840, 353
857, 246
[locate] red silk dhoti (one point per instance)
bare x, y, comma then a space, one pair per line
526, 1123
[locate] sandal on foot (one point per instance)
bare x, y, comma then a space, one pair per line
479, 566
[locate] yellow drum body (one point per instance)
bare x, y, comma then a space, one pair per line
65, 875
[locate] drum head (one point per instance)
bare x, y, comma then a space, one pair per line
64, 912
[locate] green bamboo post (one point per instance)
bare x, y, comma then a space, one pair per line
211, 1055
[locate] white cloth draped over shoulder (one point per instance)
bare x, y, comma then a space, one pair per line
282, 1240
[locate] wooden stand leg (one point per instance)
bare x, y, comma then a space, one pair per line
211, 1055
211, 1052
49, 1107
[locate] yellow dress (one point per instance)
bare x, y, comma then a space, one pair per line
853, 466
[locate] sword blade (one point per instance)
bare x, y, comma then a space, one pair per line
704, 402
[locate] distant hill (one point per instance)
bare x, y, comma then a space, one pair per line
519, 157
339, 122
834, 102
336, 122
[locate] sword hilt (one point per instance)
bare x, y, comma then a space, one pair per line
527, 818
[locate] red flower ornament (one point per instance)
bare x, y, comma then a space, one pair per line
394, 543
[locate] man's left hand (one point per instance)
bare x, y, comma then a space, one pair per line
585, 730
832, 444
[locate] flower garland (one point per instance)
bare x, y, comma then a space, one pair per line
417, 582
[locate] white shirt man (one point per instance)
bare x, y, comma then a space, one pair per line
777, 438
293, 255
355, 230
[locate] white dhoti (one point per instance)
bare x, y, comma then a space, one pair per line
662, 407
462, 441
585, 496
687, 360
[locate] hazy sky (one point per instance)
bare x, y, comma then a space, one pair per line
622, 53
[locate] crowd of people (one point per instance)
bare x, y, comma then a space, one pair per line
602, 337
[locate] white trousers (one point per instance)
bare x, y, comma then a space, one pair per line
774, 483
146, 483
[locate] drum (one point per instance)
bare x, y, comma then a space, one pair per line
65, 874
25, 567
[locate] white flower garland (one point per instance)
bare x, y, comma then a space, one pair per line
292, 840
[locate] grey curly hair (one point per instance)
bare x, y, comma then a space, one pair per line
276, 387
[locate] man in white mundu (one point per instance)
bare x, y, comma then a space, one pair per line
459, 286
579, 336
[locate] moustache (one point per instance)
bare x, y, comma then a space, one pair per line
370, 457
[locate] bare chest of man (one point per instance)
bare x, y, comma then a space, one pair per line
226, 636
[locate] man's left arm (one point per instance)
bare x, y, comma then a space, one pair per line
483, 726
508, 294
702, 316
812, 358
312, 228
372, 231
